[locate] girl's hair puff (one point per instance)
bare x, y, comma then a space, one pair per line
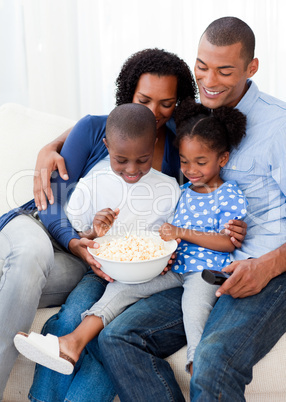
220, 129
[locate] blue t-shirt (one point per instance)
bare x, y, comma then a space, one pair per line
206, 212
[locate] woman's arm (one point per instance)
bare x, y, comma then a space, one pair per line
211, 240
49, 160
82, 150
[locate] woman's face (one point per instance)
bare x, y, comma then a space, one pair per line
159, 94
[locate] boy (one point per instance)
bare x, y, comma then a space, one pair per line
121, 193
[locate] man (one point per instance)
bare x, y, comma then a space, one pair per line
250, 315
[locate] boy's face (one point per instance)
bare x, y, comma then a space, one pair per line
131, 158
221, 74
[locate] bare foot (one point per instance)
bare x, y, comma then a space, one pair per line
69, 347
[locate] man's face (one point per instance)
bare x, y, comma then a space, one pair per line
221, 74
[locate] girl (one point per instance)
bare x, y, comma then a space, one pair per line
205, 139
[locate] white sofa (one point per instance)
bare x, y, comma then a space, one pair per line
23, 132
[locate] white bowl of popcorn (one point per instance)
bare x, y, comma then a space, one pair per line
133, 258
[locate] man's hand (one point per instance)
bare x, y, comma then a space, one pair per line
79, 248
248, 278
236, 230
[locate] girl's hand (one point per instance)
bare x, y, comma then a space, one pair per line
48, 160
79, 248
236, 230
168, 231
103, 220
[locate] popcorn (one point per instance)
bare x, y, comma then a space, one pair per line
131, 248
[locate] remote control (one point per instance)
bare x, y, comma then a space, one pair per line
214, 277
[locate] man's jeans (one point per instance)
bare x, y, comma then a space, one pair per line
237, 335
30, 265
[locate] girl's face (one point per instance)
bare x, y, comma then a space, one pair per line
131, 158
200, 164
159, 94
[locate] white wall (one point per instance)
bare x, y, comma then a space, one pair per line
63, 56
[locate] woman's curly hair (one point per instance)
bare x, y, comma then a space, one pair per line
221, 129
154, 61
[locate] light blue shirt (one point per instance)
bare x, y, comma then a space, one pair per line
259, 168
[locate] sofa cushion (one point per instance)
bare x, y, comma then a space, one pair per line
23, 133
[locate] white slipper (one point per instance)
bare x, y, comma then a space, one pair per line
44, 350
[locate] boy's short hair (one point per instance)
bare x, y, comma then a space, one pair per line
131, 120
227, 31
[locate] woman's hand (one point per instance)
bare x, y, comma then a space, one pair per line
79, 248
49, 160
236, 230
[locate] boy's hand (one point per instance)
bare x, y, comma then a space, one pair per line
103, 221
171, 260
168, 232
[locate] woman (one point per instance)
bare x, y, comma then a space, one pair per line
29, 253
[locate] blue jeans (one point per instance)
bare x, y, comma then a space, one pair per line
132, 348
134, 345
237, 335
89, 381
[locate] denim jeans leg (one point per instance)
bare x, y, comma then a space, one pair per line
238, 333
88, 375
26, 259
91, 382
134, 345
